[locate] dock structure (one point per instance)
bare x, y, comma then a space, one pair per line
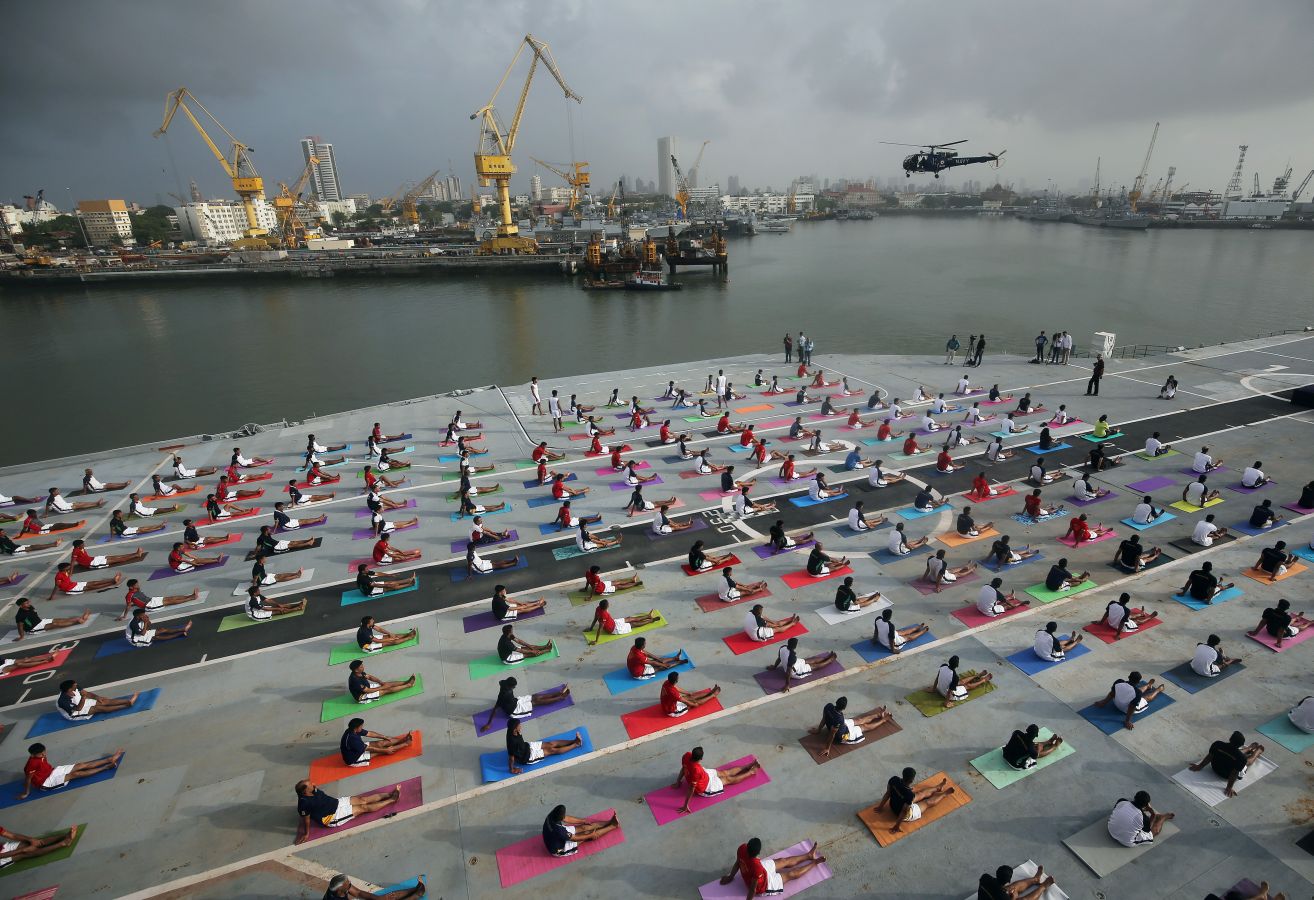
233, 716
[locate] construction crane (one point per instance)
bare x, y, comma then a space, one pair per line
1167, 195
493, 163
611, 201
682, 189
248, 185
290, 227
1280, 183
698, 161
577, 178
1139, 185
1295, 195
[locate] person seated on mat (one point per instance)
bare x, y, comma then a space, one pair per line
701, 561
1122, 618
593, 429
92, 485
29, 621
1099, 460
260, 576
1052, 648
981, 487
886, 431
1206, 532
728, 482
1060, 579
78, 705
1156, 447
879, 478
181, 472
795, 666
384, 553
14, 665
855, 460
567, 519
1230, 760
1061, 416
227, 493
819, 490
55, 504
675, 701
761, 456
604, 621
820, 563
84, 561
260, 608
8, 547
1169, 389
371, 637
732, 590
898, 412
358, 745
1011, 425
849, 601
817, 445
974, 416
372, 584
954, 689
1302, 715
898, 545
664, 524
1134, 822
891, 638
142, 632
1279, 623
860, 522
1001, 886
1081, 532
1085, 489
477, 565
1132, 557
1131, 696
1002, 553
268, 545
1208, 660
297, 499
482, 534
119, 528
944, 463
65, 584
387, 464
284, 522
939, 573
1025, 405
1253, 476
929, 424
1197, 493
912, 448
587, 542
759, 628
828, 408
1262, 516
964, 386
237, 459
768, 877
1203, 463
704, 466
708, 782
1024, 747
521, 706
789, 473
331, 812
313, 445
511, 650
643, 665
907, 803
1102, 428
1033, 508
966, 526
1306, 500
1203, 585
1039, 476
40, 774
365, 688
991, 601
846, 731
562, 834
927, 499
1274, 561
541, 453
1145, 512
33, 525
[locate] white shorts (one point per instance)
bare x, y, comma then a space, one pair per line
1140, 707
98, 562
39, 627
714, 784
680, 709
80, 586
662, 529
761, 634
9, 847
825, 570
281, 546
514, 658
1212, 671
1057, 656
1129, 624
84, 711
621, 627
259, 615
372, 647
385, 559
852, 733
483, 566
775, 883
144, 639
958, 693
801, 669
56, 779
648, 671
913, 812
535, 751
368, 697
1027, 763
1142, 837
341, 815
361, 763
729, 594
524, 706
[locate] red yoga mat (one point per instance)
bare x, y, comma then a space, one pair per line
1007, 492
651, 719
740, 643
732, 561
1108, 635
1106, 536
528, 859
231, 538
972, 617
712, 603
801, 578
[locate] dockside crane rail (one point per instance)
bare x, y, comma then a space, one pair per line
493, 163
247, 183
1139, 185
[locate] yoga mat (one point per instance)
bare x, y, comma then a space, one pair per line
625, 448
495, 767
1045, 595
1161, 560
228, 518
331, 768
651, 719
1071, 541
486, 619
664, 802
973, 618
305, 576
485, 666
458, 573
581, 596
808, 501
1151, 484
166, 572
1027, 520
1245, 528
620, 681
870, 651
954, 539
1054, 449
740, 643
1006, 492
344, 705
1263, 577
209, 542
1186, 678
459, 546
1271, 643
1028, 869
456, 516
242, 620
759, 407
1190, 470
1028, 662
626, 486
1108, 635
801, 578
607, 471
605, 638
713, 603
814, 744
844, 531
885, 556
49, 723
698, 523
9, 792
1102, 854
572, 551
535, 483
411, 797
1209, 787
999, 773
879, 822
930, 703
554, 528
832, 616
362, 534
926, 588
1109, 719
11, 637
913, 513
180, 492
1304, 553
995, 567
316, 542
1113, 435
500, 718
54, 856
731, 561
766, 551
1297, 508
1166, 517
528, 859
1109, 496
1190, 546
1198, 605
343, 653
1187, 507
61, 657
772, 681
1151, 458
113, 646
1288, 735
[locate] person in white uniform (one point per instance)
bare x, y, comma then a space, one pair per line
1302, 715
1130, 696
1208, 659
1134, 822
1052, 648
1254, 476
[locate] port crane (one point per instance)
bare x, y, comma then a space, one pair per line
611, 201
681, 190
577, 178
237, 165
698, 161
1138, 186
493, 163
1295, 195
290, 227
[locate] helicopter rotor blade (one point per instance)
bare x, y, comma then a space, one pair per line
898, 144
950, 144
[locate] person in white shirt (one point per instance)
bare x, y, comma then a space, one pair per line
732, 590
795, 666
760, 628
1129, 695
663, 524
1197, 493
819, 490
1208, 659
1134, 822
1206, 532
879, 478
1302, 715
975, 416
1067, 347
180, 471
995, 450
1084, 489
929, 424
1040, 476
938, 405
1156, 447
893, 639
964, 386
1122, 618
939, 573
991, 601
1061, 417
1145, 513
1204, 463
899, 545
1254, 476
954, 689
1052, 648
1012, 426
859, 522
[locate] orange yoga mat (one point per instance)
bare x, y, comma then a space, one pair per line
331, 768
879, 822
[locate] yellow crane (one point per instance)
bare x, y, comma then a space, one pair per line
1138, 187
475, 208
698, 161
290, 227
681, 189
611, 201
493, 158
237, 166
577, 178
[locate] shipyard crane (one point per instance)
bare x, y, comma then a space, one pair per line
1139, 185
611, 201
1167, 194
577, 178
493, 163
1280, 183
290, 227
237, 165
698, 161
682, 189
410, 211
1295, 195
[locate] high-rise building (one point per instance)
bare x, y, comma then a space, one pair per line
732, 185
665, 172
106, 221
535, 188
324, 174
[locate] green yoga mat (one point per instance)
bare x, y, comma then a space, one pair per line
482, 493
345, 653
242, 620
1001, 774
608, 638
485, 666
1045, 595
64, 853
1149, 458
344, 705
929, 703
581, 598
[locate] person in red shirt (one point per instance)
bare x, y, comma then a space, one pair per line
33, 525
676, 702
373, 480
886, 432
567, 519
561, 492
84, 561
708, 782
666, 437
981, 488
638, 420
605, 622
65, 584
235, 475
596, 586
643, 665
385, 554
541, 452
768, 876
382, 438
945, 463
746, 437
723, 425
135, 598
617, 462
856, 421
545, 475
596, 447
761, 456
912, 448
803, 371
820, 380
789, 473
228, 494
1033, 507
1080, 531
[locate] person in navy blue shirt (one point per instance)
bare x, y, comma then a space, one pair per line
562, 834
359, 744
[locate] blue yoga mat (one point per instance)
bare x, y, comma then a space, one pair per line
870, 651
457, 517
738, 449
1166, 517
620, 681
1188, 680
1036, 449
1028, 662
913, 513
552, 528
51, 722
534, 482
1198, 605
459, 573
808, 501
115, 646
494, 767
1109, 719
995, 567
549, 500
885, 556
355, 596
9, 792
1027, 520
1245, 528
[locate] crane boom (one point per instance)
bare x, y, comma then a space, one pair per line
698, 161
1139, 185
1295, 195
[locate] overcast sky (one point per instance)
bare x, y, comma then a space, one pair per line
780, 89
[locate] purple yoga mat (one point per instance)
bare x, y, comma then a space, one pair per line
166, 572
1297, 508
766, 552
714, 890
1109, 496
364, 514
1242, 489
664, 802
699, 523
1151, 484
499, 717
772, 681
459, 546
480, 621
299, 528
361, 534
624, 486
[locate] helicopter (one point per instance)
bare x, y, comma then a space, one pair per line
935, 158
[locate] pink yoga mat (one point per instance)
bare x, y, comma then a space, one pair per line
665, 801
801, 578
714, 890
528, 859
411, 797
716, 495
369, 561
772, 681
1067, 424
971, 616
767, 552
1271, 642
1106, 536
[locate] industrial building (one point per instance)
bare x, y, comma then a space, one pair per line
666, 182
324, 171
106, 221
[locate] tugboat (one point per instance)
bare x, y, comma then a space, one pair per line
650, 281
